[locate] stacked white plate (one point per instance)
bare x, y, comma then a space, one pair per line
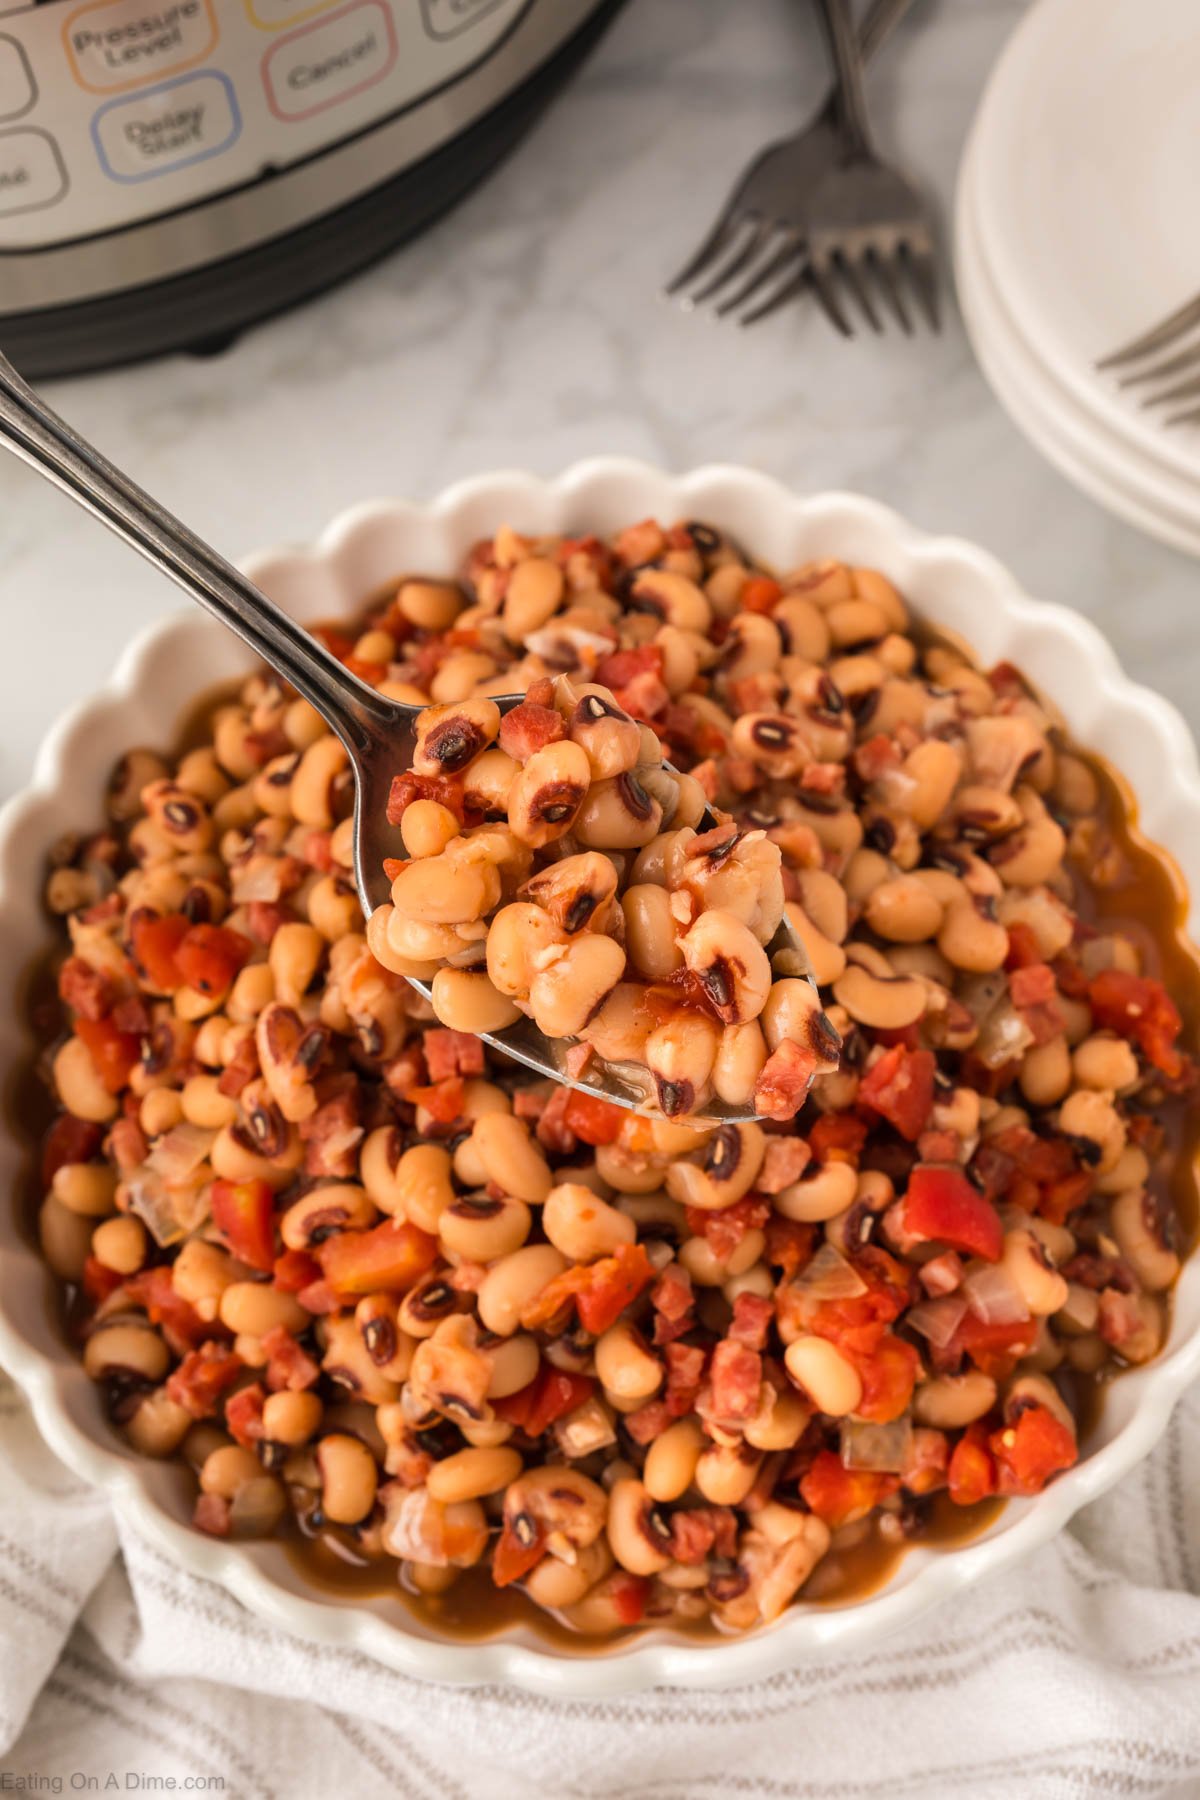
1078, 228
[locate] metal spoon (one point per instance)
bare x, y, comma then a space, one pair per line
377, 732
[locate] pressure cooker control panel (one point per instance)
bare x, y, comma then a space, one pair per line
117, 111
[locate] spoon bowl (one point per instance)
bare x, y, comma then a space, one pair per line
378, 733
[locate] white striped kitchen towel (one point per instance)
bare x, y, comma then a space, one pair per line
1076, 1676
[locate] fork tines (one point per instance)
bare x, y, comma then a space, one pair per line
1183, 323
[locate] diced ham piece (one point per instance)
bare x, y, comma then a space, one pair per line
785, 1161
736, 1376
752, 1319
528, 728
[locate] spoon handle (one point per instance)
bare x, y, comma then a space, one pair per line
39, 437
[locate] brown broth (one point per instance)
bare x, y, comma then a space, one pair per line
1143, 894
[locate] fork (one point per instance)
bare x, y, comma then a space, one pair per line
868, 226
1161, 337
761, 232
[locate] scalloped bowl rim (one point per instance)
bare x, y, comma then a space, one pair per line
953, 582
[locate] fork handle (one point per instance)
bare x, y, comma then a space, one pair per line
881, 20
847, 64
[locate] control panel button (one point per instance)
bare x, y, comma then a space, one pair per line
330, 61
32, 173
115, 45
447, 18
273, 15
18, 90
167, 127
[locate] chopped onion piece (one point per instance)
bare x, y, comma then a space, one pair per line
259, 878
885, 1449
1003, 1037
568, 646
168, 1216
937, 1320
830, 1277
993, 1296
180, 1151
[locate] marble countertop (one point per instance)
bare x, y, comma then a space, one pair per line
527, 328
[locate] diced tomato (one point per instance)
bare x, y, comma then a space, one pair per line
783, 1081
838, 1137
390, 1258
927, 1461
941, 1206
244, 1415
900, 1088
294, 1270
443, 1101
210, 956
971, 1475
994, 1349
840, 1495
760, 594
69, 1140
1140, 1009
549, 1396
1028, 1452
154, 940
593, 1121
182, 1326
511, 1559
114, 1053
790, 1244
601, 1290
725, 1230
1023, 948
244, 1214
623, 666
888, 1376
202, 1377
98, 1280
629, 1594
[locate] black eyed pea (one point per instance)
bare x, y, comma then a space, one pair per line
337, 1206
673, 598
157, 1425
576, 892
924, 783
951, 1401
863, 873
479, 1228
253, 1308
431, 1578
427, 828
470, 1474
619, 814
1105, 1062
904, 911
609, 738
971, 941
1028, 1266
439, 892
485, 1434
432, 605
564, 995
725, 1473
532, 597
582, 1225
312, 789
513, 1282
449, 737
162, 1108
780, 1420
86, 1188
545, 798
292, 1418
828, 1191
553, 1583
650, 928
1045, 1072
670, 1466
296, 953
510, 1157
719, 1171
349, 1478
708, 1270
638, 1535
126, 1349
1146, 1340
466, 1000
627, 1369
826, 959
681, 1054
1091, 1116
739, 1063
1037, 1390
757, 1279
852, 622
79, 1087
333, 907
1088, 1352
460, 676
872, 585
1135, 1225
829, 1379
805, 633
378, 1168
200, 1274
518, 940
514, 1364
226, 1470
884, 1002
203, 1104
1032, 855
1131, 1170
731, 965
753, 646
793, 1014
121, 1244
425, 1306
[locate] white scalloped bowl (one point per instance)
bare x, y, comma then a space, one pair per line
950, 583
